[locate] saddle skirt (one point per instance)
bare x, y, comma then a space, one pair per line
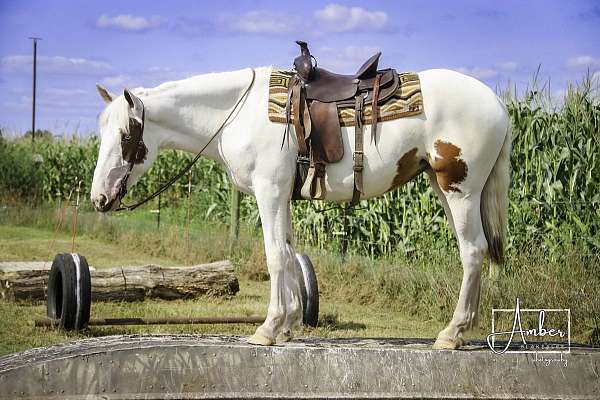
318, 109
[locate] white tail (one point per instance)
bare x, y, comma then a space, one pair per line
494, 202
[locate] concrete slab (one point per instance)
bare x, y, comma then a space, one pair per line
198, 367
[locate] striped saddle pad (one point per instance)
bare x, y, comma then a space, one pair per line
407, 100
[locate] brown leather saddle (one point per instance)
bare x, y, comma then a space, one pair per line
314, 96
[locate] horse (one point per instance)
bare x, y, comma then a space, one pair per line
462, 141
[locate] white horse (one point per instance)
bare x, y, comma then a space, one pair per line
462, 140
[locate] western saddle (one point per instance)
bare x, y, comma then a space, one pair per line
314, 97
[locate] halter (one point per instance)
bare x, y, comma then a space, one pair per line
134, 151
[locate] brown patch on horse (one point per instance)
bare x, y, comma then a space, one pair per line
407, 167
449, 169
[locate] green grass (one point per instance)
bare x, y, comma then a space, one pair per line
340, 318
19, 243
360, 297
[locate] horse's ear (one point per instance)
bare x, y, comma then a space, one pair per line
134, 102
105, 94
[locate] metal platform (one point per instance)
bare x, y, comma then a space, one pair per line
198, 367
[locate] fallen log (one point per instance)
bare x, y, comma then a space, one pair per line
29, 281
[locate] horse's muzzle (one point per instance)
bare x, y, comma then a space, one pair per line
102, 204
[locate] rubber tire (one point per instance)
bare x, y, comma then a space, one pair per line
310, 290
68, 302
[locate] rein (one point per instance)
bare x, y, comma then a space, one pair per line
183, 171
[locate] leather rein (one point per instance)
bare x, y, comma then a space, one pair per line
140, 151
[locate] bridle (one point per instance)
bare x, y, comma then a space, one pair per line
134, 151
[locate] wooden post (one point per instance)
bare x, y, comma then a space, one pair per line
44, 322
344, 247
234, 222
158, 214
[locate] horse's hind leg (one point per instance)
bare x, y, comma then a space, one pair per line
273, 205
466, 215
442, 197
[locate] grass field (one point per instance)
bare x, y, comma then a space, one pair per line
359, 296
338, 317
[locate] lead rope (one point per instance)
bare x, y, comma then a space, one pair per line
75, 212
191, 163
189, 217
59, 223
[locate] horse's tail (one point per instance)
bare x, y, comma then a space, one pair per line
494, 203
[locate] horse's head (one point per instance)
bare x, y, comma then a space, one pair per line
126, 149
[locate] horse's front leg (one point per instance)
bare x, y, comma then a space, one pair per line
293, 316
273, 205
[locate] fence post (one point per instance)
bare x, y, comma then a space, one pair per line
234, 222
344, 247
158, 214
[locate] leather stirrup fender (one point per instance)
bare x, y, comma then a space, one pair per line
358, 151
298, 128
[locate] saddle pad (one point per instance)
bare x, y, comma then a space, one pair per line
407, 100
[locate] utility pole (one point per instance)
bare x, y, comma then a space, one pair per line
35, 39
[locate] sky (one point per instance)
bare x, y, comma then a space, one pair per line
143, 43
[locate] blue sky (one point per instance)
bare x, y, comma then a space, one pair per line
143, 43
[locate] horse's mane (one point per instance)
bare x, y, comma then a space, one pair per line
117, 111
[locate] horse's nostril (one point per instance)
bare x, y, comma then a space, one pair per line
102, 201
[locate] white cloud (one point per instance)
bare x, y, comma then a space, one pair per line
261, 21
345, 59
339, 18
62, 92
130, 23
54, 65
583, 61
116, 81
508, 66
158, 75
331, 18
149, 77
479, 72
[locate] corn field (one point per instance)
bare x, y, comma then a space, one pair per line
554, 198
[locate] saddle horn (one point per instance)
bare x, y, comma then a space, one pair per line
303, 63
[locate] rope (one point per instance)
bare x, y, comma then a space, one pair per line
189, 216
75, 213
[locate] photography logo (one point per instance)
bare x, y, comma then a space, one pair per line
530, 330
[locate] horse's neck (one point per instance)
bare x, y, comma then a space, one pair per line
187, 113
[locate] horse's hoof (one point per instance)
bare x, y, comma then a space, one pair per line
260, 340
448, 344
284, 337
